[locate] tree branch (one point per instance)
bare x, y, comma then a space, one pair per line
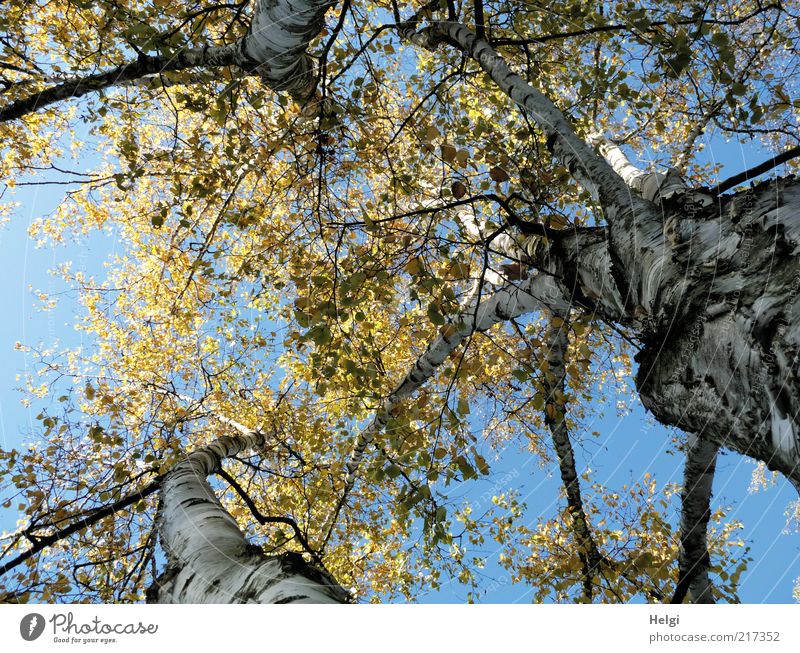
653, 186
760, 169
274, 48
263, 519
554, 386
537, 291
480, 25
143, 66
650, 29
698, 477
636, 238
40, 542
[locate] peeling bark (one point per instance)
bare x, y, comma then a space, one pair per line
653, 186
209, 559
723, 362
721, 354
276, 43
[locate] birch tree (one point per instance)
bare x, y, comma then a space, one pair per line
369, 247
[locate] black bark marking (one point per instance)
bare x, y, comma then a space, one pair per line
291, 599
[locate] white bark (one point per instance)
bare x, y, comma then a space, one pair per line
276, 43
724, 363
274, 48
209, 559
653, 186
710, 288
721, 356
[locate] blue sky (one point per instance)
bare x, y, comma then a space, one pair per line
626, 447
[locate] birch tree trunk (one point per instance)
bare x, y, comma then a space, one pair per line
722, 357
709, 287
274, 48
276, 42
721, 337
209, 559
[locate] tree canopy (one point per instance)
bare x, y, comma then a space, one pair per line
385, 243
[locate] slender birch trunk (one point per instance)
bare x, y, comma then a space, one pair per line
698, 478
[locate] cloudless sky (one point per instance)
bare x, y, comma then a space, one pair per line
626, 448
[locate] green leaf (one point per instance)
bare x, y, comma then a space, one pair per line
520, 375
498, 175
467, 470
463, 406
435, 316
676, 64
